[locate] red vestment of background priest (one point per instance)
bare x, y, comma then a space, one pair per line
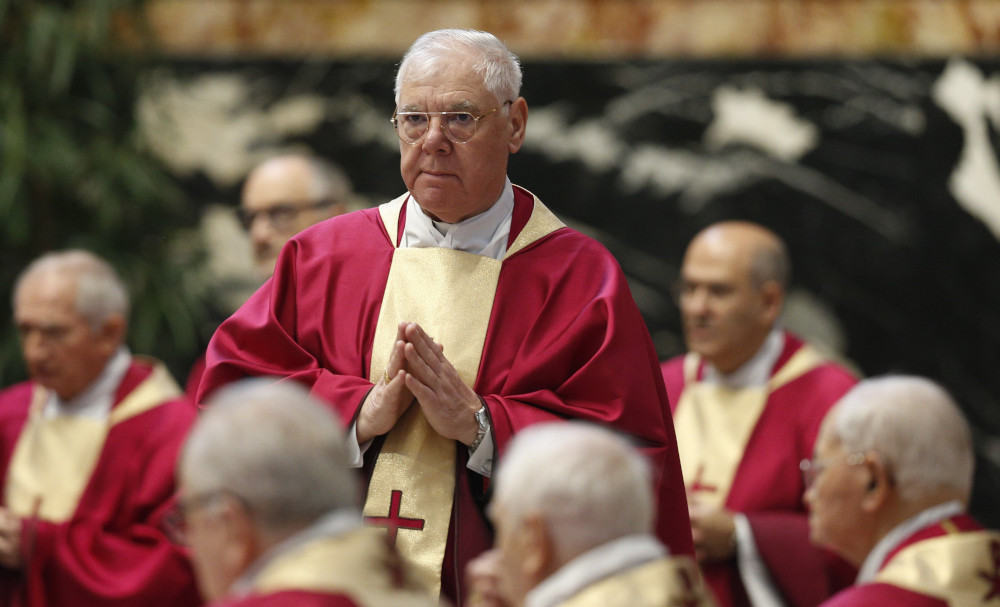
565, 340
952, 562
113, 550
767, 486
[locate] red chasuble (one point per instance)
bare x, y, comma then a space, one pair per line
564, 340
766, 484
111, 548
954, 563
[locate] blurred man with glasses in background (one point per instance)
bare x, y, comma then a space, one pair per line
441, 323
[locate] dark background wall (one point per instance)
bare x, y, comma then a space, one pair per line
857, 164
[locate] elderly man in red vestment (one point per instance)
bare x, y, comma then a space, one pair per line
87, 450
889, 485
747, 402
441, 323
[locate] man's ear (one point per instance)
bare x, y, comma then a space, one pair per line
539, 550
112, 332
242, 542
518, 122
773, 297
880, 488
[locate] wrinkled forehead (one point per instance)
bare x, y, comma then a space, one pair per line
455, 85
827, 441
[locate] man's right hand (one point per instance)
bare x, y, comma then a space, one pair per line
388, 400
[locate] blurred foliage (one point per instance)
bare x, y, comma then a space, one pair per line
74, 175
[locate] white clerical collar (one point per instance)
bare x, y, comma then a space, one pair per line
932, 516
594, 565
485, 234
331, 524
96, 400
756, 372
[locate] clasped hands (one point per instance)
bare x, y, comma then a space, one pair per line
418, 371
713, 531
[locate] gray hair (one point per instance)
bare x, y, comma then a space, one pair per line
916, 426
100, 292
589, 484
771, 262
274, 446
329, 181
500, 68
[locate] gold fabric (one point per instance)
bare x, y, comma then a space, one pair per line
713, 424
961, 568
358, 564
450, 294
667, 582
54, 458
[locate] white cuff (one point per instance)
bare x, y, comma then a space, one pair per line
355, 452
481, 460
756, 580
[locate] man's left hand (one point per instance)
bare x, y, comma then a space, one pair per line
448, 404
713, 532
10, 539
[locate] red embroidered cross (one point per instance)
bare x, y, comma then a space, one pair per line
994, 578
394, 522
697, 485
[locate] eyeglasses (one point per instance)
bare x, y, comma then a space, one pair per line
175, 521
281, 216
458, 127
812, 468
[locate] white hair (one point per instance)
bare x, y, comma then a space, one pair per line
500, 68
274, 446
588, 484
329, 181
916, 426
100, 292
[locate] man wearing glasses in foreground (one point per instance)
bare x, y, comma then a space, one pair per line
441, 323
888, 489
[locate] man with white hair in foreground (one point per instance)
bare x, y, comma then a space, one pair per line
578, 531
888, 489
272, 512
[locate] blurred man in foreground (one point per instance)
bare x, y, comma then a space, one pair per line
272, 511
87, 450
747, 402
889, 485
578, 531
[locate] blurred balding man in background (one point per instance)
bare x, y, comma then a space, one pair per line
889, 485
578, 530
748, 400
273, 513
88, 448
283, 196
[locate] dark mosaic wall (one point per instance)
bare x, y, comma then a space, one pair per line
850, 162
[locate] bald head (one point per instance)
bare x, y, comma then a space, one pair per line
286, 194
755, 248
733, 281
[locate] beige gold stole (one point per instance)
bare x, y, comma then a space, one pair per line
54, 458
713, 424
355, 563
667, 582
962, 568
450, 294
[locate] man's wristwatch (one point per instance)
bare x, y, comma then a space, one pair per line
484, 425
